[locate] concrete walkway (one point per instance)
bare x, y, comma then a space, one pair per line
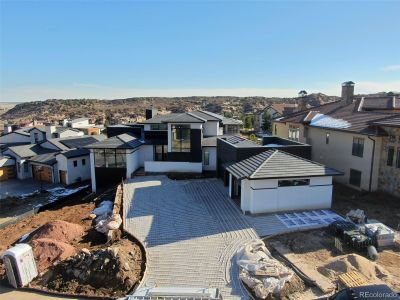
191, 231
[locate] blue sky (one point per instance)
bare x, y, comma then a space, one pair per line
113, 49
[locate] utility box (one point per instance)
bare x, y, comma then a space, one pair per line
20, 265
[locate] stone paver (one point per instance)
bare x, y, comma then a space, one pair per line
191, 231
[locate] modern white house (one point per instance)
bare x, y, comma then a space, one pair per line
275, 181
177, 142
73, 166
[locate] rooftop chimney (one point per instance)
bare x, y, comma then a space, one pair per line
50, 129
7, 128
347, 92
150, 113
302, 100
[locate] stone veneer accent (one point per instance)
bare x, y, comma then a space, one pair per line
389, 176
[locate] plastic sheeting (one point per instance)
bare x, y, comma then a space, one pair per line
260, 271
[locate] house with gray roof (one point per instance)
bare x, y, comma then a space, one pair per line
60, 160
278, 181
176, 142
357, 135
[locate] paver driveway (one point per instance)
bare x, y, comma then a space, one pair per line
191, 231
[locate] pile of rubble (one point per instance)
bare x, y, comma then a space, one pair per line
111, 271
260, 272
51, 243
104, 217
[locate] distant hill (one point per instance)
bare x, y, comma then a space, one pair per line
130, 109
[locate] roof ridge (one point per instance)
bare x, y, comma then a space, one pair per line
197, 117
212, 114
264, 162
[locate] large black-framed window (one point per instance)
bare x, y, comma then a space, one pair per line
355, 177
358, 147
180, 140
158, 127
109, 158
160, 152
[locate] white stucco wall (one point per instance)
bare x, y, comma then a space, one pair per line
21, 174
92, 171
41, 135
69, 133
14, 138
211, 128
338, 154
264, 196
146, 153
212, 166
172, 166
73, 173
75, 124
132, 162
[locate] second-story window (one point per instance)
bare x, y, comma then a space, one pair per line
294, 133
358, 147
398, 158
36, 137
180, 138
390, 156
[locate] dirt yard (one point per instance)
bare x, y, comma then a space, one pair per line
377, 205
66, 231
315, 253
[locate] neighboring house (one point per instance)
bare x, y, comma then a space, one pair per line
351, 136
167, 143
278, 181
259, 117
84, 125
47, 132
73, 166
23, 154
44, 161
14, 138
7, 168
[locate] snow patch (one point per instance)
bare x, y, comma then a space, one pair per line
321, 120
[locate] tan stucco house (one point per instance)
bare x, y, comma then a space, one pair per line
357, 136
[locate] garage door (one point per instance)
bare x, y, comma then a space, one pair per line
42, 173
7, 173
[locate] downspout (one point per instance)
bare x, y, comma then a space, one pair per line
372, 163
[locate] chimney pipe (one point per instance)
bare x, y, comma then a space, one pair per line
347, 93
150, 113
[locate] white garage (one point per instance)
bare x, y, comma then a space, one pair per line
278, 181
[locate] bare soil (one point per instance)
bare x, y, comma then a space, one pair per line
377, 205
316, 249
67, 239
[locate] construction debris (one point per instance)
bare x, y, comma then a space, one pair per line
110, 271
61, 231
263, 274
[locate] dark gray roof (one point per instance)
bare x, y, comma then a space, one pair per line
45, 159
30, 150
75, 153
82, 141
206, 115
76, 141
277, 164
175, 118
239, 141
390, 122
122, 141
224, 120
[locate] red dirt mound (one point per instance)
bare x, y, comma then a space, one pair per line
60, 231
49, 251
